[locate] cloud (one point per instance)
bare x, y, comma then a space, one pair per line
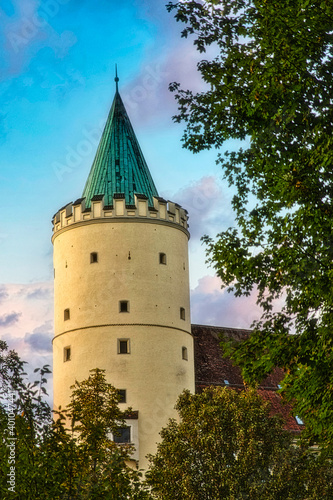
39, 339
38, 293
9, 319
210, 305
29, 31
147, 97
208, 204
3, 293
35, 303
31, 337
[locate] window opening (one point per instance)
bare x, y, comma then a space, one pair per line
67, 354
66, 314
182, 313
123, 306
93, 257
122, 395
122, 435
184, 353
163, 258
123, 346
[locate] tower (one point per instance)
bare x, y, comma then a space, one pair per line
121, 284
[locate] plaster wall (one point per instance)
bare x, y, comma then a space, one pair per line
154, 372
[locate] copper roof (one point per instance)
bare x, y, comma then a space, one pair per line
119, 167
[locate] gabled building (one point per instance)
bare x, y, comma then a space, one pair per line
211, 368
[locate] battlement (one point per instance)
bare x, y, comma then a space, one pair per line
163, 211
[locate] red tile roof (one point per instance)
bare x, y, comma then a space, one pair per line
211, 368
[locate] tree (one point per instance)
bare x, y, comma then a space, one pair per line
72, 457
227, 446
270, 88
95, 417
25, 421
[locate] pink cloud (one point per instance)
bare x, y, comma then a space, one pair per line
10, 319
29, 330
211, 305
208, 204
147, 97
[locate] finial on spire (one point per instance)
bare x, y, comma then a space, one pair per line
116, 79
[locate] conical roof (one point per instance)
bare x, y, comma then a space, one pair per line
119, 166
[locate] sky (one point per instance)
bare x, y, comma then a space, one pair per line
57, 71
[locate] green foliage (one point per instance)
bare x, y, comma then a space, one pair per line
271, 89
94, 414
94, 410
22, 435
227, 446
72, 457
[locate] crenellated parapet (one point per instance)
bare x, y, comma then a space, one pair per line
163, 211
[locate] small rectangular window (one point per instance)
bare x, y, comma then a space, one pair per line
122, 435
67, 354
182, 313
184, 353
163, 258
123, 346
123, 306
66, 314
122, 395
93, 257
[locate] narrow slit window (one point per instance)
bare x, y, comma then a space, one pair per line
122, 395
67, 354
163, 259
123, 346
182, 313
67, 314
123, 306
184, 353
93, 257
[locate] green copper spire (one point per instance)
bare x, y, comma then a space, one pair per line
119, 166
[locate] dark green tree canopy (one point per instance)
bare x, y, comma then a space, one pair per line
227, 446
56, 459
271, 88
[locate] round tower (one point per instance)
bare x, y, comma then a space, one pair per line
122, 288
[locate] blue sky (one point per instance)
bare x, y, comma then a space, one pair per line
56, 87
